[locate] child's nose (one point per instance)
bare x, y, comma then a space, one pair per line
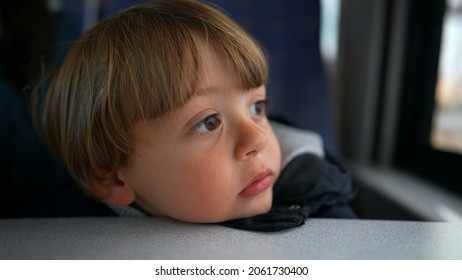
252, 139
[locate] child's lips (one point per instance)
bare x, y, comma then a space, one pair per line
258, 184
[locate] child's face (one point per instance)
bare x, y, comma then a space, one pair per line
214, 159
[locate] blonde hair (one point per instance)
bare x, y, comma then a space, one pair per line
136, 65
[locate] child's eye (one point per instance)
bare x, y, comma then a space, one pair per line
258, 108
208, 124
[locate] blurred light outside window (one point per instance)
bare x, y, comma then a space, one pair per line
447, 116
330, 18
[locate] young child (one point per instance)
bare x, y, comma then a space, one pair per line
162, 108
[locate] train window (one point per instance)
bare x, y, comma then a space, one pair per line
330, 16
429, 139
446, 132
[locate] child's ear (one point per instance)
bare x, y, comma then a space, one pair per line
110, 189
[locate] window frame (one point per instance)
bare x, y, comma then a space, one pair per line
413, 148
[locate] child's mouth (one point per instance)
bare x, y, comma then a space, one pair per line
259, 183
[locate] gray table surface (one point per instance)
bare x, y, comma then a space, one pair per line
159, 238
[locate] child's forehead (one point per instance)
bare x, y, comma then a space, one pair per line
215, 68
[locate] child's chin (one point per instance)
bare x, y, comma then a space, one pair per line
254, 209
265, 208
262, 208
